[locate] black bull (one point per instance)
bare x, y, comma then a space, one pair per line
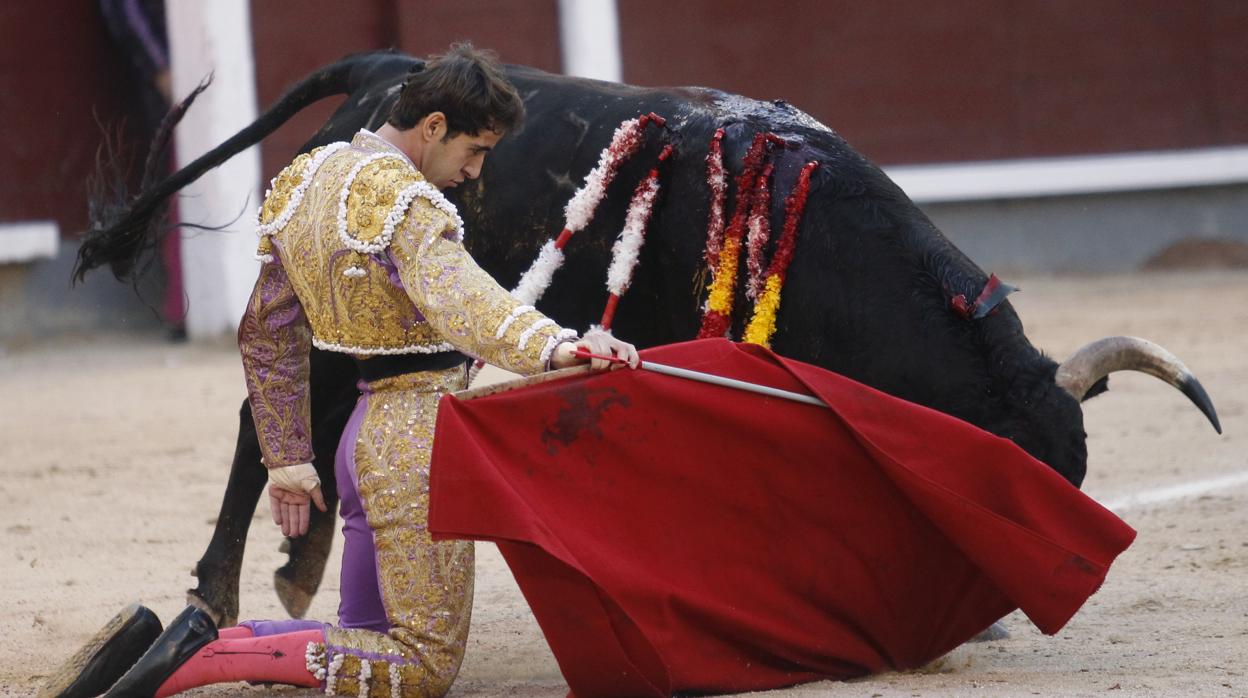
868, 293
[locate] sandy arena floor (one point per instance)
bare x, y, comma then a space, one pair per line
115, 452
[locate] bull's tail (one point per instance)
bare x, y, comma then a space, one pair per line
122, 230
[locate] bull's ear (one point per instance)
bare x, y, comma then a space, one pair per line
1097, 388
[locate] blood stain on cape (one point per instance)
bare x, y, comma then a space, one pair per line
582, 409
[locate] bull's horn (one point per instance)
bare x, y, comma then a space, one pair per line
1094, 361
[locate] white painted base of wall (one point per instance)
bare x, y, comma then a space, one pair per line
1091, 174
1109, 232
28, 241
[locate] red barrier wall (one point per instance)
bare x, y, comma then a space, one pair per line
905, 81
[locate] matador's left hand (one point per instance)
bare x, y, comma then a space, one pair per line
291, 491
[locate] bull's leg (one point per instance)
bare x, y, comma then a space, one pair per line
297, 581
219, 568
333, 398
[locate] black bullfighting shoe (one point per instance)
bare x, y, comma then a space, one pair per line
191, 630
100, 662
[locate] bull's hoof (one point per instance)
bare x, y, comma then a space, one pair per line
103, 660
994, 632
296, 581
223, 618
217, 591
295, 599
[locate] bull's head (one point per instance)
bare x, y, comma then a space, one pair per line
1084, 375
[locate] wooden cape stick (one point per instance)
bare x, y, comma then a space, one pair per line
647, 366
522, 382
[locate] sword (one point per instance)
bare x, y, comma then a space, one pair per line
710, 378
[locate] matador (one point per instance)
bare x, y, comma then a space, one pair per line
362, 254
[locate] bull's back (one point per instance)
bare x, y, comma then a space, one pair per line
861, 235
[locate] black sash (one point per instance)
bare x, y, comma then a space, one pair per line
390, 365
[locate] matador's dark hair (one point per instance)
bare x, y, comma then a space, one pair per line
468, 86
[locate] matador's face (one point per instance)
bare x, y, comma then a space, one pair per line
446, 162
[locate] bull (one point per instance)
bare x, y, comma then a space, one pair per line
868, 293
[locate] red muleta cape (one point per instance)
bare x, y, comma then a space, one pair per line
678, 536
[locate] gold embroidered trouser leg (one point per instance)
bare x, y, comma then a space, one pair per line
426, 587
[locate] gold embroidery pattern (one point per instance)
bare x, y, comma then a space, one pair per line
285, 196
370, 314
283, 185
420, 295
439, 273
373, 193
426, 587
274, 341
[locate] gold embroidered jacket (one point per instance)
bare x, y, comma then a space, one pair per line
363, 256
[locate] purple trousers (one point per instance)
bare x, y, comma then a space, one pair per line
359, 604
406, 601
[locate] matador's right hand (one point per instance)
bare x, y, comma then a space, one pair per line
291, 488
600, 342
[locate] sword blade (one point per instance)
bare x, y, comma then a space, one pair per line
713, 379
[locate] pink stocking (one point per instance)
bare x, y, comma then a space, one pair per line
268, 659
